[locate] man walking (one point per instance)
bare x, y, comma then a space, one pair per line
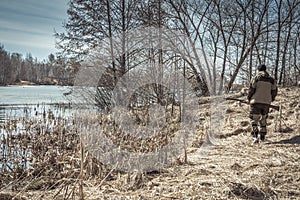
262, 92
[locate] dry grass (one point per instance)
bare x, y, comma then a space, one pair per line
230, 169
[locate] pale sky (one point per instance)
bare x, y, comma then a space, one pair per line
27, 26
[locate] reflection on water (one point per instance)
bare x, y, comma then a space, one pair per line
26, 101
37, 111
26, 112
2, 114
36, 122
24, 129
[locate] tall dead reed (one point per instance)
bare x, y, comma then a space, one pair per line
42, 150
42, 144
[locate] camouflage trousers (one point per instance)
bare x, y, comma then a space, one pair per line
258, 115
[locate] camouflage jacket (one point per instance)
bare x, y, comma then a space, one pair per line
262, 89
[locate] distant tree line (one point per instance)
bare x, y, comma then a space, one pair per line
56, 70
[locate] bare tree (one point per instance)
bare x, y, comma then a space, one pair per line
189, 19
237, 36
249, 41
5, 66
292, 17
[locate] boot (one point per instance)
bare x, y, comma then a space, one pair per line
262, 137
254, 134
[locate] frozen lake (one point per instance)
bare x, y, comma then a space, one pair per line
16, 101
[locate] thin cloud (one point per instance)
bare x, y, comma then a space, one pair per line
43, 44
29, 25
16, 27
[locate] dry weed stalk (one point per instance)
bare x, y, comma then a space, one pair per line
42, 153
45, 152
81, 195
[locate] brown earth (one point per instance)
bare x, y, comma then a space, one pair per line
228, 167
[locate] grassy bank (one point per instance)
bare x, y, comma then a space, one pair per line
228, 168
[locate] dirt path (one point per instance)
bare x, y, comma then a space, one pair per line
234, 169
231, 170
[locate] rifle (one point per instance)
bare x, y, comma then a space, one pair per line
244, 101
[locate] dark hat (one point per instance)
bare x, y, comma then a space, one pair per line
262, 67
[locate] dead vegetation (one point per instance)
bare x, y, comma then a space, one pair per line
54, 166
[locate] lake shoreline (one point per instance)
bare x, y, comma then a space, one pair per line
50, 82
24, 83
